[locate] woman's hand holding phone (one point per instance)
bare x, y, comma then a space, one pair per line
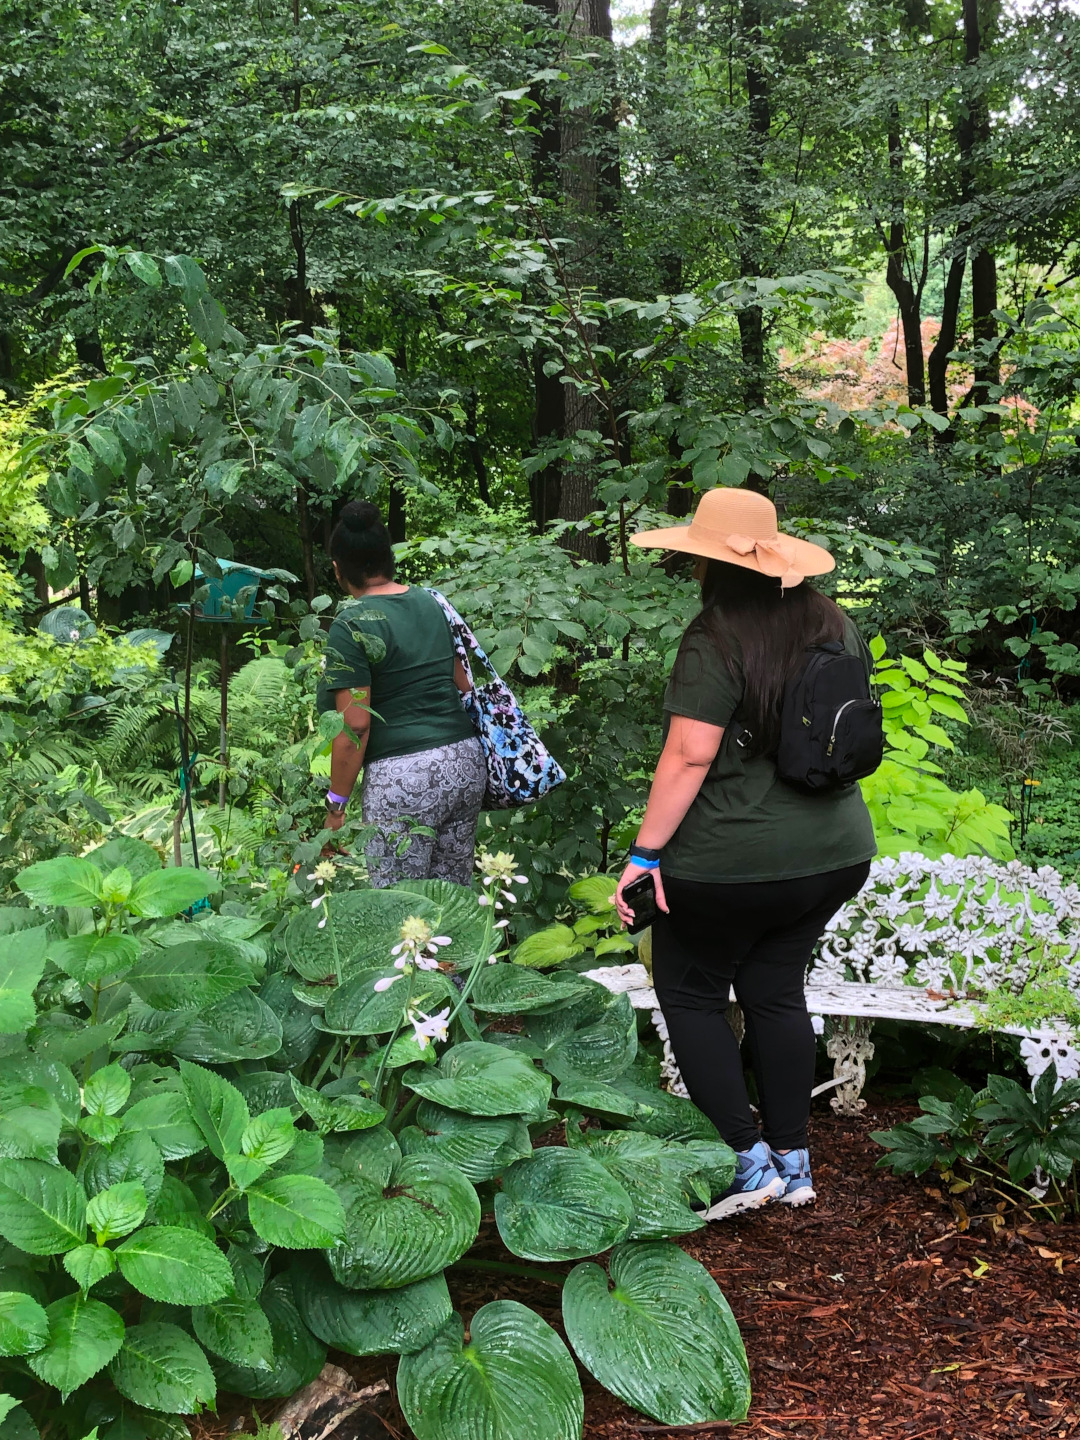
630, 874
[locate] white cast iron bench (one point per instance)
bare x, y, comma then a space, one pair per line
921, 942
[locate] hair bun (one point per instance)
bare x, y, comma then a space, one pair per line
360, 516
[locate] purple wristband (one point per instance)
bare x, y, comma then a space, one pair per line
337, 799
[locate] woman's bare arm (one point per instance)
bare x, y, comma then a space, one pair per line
347, 748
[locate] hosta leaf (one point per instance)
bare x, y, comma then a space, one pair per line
371, 1322
561, 1205
87, 1264
167, 892
483, 1079
455, 911
63, 881
161, 1367
659, 1113
660, 1335
357, 1008
189, 976
166, 1118
368, 1155
423, 1220
42, 1207
89, 958
22, 960
240, 1027
480, 1147
84, 1335
514, 1378
298, 1356
366, 927
129, 1157
298, 1212
599, 1050
596, 1098
172, 1263
505, 989
24, 1325
218, 1108
659, 1193
237, 1330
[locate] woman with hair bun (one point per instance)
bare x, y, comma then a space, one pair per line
393, 676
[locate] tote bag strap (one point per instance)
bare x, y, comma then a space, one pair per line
464, 639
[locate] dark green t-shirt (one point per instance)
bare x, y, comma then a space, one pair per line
409, 664
745, 823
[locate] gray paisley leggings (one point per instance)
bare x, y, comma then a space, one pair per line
440, 789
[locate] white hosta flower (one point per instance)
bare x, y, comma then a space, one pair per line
492, 959
385, 983
321, 923
501, 924
317, 901
429, 1027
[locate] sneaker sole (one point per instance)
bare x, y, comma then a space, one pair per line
745, 1200
805, 1196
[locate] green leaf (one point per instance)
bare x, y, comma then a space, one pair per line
240, 1027
596, 893
107, 1090
236, 1329
207, 318
298, 1356
345, 1112
22, 961
595, 1098
483, 1079
167, 892
190, 975
184, 272
87, 1264
162, 1368
660, 1335
24, 1325
297, 1212
89, 958
504, 989
356, 1008
551, 946
42, 1207
176, 1205
270, 1136
175, 1264
659, 1113
561, 1205
578, 1046
365, 1155
117, 1210
30, 1122
514, 1378
144, 268
129, 1157
166, 1118
218, 1108
84, 1335
480, 1147
371, 1322
424, 1219
62, 882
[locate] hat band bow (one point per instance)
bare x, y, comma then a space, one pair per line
775, 557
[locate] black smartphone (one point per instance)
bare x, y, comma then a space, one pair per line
641, 897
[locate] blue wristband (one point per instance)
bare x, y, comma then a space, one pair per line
644, 864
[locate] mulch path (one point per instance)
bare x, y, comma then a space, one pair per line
865, 1315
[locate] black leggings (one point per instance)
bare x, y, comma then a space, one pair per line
757, 937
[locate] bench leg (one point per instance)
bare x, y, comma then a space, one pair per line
850, 1047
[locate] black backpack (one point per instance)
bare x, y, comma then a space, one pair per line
830, 726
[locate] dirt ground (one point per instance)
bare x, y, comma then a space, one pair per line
865, 1315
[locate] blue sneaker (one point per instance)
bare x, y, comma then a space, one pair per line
794, 1169
756, 1183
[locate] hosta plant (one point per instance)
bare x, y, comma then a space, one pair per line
230, 1144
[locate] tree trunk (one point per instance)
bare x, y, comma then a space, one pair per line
751, 213
476, 450
946, 341
908, 296
986, 367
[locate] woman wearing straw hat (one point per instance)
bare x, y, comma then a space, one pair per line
748, 870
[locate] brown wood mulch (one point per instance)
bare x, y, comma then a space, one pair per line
865, 1315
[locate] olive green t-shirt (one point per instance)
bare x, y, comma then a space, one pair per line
409, 663
745, 823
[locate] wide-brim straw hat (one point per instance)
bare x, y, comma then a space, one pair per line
739, 527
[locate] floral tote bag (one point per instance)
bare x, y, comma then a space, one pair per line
520, 769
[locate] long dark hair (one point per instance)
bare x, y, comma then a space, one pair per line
360, 544
761, 631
